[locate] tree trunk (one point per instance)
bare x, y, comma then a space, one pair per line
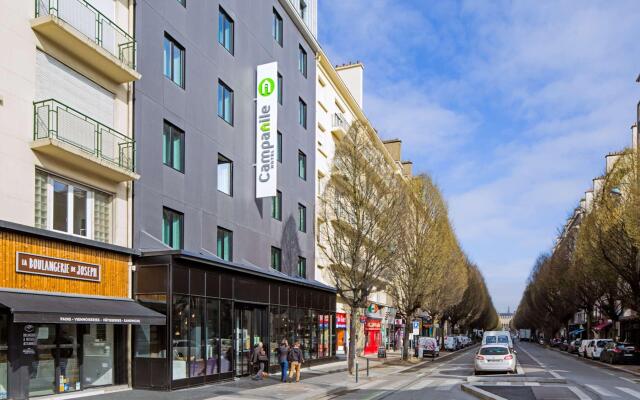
405, 340
589, 317
351, 357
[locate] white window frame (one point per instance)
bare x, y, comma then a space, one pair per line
90, 207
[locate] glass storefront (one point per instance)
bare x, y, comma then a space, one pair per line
4, 354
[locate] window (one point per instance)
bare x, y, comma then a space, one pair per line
302, 267
302, 218
279, 149
276, 206
225, 244
276, 30
225, 30
302, 61
172, 228
225, 102
173, 60
302, 113
71, 208
276, 258
225, 175
302, 165
173, 147
303, 10
280, 89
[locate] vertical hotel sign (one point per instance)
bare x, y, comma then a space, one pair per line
266, 130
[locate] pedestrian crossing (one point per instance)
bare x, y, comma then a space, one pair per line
618, 392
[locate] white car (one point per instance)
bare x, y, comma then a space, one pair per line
595, 348
495, 358
450, 343
582, 350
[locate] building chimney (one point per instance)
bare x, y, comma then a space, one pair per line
394, 147
407, 168
353, 76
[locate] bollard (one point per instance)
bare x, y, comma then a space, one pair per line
356, 371
367, 367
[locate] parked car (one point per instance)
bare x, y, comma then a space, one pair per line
495, 358
429, 347
597, 347
564, 345
618, 353
573, 346
450, 343
582, 350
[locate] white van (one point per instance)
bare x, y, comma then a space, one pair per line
497, 337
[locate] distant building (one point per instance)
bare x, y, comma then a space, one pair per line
505, 320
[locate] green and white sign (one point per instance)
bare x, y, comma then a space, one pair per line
266, 130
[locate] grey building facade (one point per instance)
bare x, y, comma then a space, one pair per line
209, 248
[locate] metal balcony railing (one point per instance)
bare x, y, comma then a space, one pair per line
93, 24
339, 121
55, 120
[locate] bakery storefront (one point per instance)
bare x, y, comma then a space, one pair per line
216, 313
64, 313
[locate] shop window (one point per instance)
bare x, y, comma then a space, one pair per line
173, 60
225, 175
225, 102
196, 337
277, 27
173, 147
180, 337
172, 228
212, 333
68, 207
4, 354
226, 336
276, 258
98, 348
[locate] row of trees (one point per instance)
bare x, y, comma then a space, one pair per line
596, 263
381, 231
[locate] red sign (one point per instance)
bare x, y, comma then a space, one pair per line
341, 321
372, 325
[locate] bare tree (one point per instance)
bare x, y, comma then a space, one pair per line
359, 228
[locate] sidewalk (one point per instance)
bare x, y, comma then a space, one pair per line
316, 382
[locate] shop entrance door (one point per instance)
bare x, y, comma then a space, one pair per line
250, 328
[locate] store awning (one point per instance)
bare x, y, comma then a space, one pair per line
602, 325
576, 332
44, 308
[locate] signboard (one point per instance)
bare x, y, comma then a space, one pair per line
29, 340
416, 327
341, 321
57, 267
266, 129
372, 325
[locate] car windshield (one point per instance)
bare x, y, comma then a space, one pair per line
494, 351
601, 343
491, 339
503, 339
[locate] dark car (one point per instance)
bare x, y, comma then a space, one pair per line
618, 353
564, 345
573, 347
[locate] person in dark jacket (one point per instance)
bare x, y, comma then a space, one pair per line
283, 358
295, 359
260, 358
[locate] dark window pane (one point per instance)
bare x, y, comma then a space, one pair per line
180, 339
226, 336
212, 337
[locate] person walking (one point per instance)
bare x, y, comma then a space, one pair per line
259, 358
283, 359
296, 360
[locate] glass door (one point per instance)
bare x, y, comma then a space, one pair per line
97, 355
251, 325
42, 371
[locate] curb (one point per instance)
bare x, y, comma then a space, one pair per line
479, 393
597, 362
515, 379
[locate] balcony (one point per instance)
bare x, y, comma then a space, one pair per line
339, 125
89, 36
74, 138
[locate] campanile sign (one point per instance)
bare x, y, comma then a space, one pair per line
266, 130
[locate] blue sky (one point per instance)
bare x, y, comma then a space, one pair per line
509, 105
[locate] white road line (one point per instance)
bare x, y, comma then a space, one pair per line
632, 392
552, 372
532, 383
628, 380
581, 395
421, 384
503, 383
447, 385
601, 391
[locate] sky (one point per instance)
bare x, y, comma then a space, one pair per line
510, 106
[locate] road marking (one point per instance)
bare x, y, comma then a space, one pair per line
552, 372
532, 383
581, 395
632, 392
601, 391
447, 385
421, 384
628, 380
503, 383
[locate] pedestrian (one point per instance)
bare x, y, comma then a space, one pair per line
259, 358
283, 359
296, 360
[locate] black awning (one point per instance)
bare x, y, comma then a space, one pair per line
44, 308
